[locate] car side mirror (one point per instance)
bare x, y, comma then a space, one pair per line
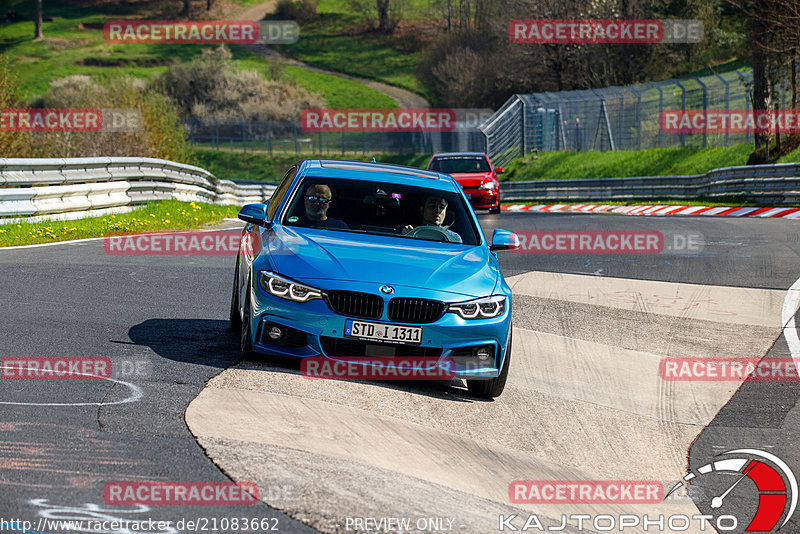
254, 214
499, 170
504, 240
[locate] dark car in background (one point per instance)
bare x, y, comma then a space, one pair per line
475, 174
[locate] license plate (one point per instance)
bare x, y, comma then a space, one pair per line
411, 335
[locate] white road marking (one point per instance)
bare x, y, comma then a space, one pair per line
136, 394
89, 239
790, 305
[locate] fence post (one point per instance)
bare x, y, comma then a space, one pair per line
343, 142
638, 116
244, 136
705, 110
296, 148
683, 107
747, 101
621, 120
269, 137
660, 109
561, 131
727, 103
216, 134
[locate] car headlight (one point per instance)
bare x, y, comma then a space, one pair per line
481, 308
487, 185
288, 289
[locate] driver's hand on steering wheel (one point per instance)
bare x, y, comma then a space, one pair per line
407, 228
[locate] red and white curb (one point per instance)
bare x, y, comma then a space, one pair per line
659, 210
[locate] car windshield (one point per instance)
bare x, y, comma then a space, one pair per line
381, 208
461, 164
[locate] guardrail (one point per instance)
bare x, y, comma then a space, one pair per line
78, 187
768, 184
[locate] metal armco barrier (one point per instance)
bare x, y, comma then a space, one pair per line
85, 185
779, 183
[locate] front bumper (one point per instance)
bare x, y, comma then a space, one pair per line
313, 329
482, 198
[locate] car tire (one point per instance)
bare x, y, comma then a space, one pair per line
245, 345
496, 209
492, 388
235, 319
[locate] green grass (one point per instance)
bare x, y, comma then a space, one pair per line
791, 157
328, 44
627, 163
164, 215
260, 167
339, 92
414, 8
69, 49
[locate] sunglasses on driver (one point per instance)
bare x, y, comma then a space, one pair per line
315, 198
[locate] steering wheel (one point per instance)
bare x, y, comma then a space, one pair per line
431, 232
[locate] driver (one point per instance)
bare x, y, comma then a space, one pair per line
317, 201
433, 211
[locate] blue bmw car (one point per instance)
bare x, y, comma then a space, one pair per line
352, 259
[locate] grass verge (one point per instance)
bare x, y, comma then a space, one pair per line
74, 44
625, 163
164, 215
332, 42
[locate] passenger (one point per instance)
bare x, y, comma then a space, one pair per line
433, 211
317, 201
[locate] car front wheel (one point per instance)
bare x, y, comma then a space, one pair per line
245, 345
489, 389
236, 319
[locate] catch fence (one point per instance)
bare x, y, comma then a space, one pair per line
617, 118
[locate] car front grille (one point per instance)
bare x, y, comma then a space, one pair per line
412, 310
334, 346
355, 304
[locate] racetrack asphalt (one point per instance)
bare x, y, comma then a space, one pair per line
168, 314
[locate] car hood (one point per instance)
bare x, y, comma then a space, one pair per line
472, 179
311, 254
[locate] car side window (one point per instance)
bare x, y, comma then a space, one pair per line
280, 192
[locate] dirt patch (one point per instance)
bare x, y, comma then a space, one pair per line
422, 30
61, 43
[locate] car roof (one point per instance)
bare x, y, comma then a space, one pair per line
368, 171
456, 154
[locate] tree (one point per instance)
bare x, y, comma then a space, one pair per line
775, 38
383, 16
38, 36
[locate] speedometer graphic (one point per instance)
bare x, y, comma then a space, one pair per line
764, 475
